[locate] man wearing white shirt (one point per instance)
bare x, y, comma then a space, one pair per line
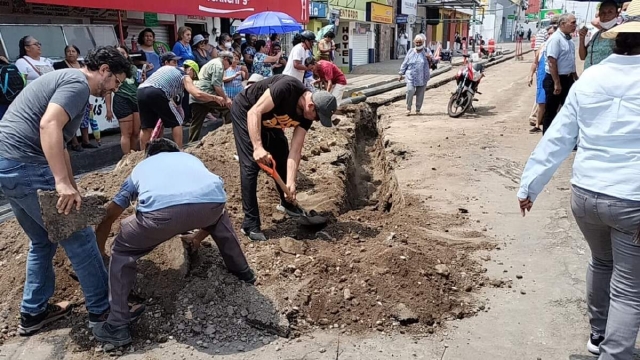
295, 65
560, 68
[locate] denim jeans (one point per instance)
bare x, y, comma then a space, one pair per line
19, 183
613, 276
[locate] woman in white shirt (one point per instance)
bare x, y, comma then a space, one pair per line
30, 63
601, 115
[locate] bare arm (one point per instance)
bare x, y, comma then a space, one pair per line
254, 118
248, 59
272, 59
104, 228
54, 119
298, 65
67, 162
295, 154
582, 47
198, 94
553, 68
329, 85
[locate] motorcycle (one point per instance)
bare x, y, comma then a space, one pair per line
467, 80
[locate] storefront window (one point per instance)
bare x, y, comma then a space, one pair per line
54, 38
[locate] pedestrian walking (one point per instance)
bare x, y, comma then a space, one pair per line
598, 48
600, 116
537, 71
416, 69
157, 98
31, 63
560, 68
326, 47
260, 114
33, 134
303, 43
163, 211
123, 105
210, 81
403, 41
529, 34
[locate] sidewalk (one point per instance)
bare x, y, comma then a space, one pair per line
369, 76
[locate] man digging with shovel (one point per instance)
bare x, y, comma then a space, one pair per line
163, 211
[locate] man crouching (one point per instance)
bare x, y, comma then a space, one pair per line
175, 194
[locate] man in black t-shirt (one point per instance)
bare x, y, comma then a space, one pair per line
259, 115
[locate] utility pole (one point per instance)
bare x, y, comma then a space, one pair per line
473, 24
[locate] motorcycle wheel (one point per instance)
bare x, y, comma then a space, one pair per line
458, 105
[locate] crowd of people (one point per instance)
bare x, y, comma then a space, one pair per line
146, 91
596, 115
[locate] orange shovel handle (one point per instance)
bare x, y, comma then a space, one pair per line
274, 174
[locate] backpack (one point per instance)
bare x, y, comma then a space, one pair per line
11, 83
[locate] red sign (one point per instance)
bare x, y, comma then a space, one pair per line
239, 9
533, 7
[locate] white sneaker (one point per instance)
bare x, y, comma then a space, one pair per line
593, 345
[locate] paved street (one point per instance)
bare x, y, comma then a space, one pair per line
474, 163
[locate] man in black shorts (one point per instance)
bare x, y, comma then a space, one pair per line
157, 98
259, 115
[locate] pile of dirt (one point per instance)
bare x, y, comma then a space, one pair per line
376, 265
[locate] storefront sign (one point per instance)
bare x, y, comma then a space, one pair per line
401, 19
150, 19
408, 7
350, 14
342, 46
317, 10
549, 13
298, 9
353, 9
194, 17
53, 10
379, 13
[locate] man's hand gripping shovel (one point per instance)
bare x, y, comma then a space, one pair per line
310, 218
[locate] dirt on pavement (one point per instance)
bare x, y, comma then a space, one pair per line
374, 267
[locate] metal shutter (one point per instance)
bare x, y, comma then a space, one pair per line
162, 33
360, 49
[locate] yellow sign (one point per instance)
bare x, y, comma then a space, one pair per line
379, 13
349, 14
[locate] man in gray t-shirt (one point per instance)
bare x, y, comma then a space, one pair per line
33, 134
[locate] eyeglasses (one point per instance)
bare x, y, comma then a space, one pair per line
118, 81
35, 44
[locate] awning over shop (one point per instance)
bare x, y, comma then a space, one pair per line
298, 9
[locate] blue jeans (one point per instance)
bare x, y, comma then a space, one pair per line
19, 183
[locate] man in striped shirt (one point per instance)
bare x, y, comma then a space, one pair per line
157, 98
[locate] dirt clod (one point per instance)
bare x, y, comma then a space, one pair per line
61, 226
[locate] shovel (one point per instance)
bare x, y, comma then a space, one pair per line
310, 218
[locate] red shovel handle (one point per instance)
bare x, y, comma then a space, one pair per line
157, 131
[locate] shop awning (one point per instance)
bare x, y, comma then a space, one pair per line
453, 4
238, 9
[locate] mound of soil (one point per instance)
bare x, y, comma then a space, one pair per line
372, 267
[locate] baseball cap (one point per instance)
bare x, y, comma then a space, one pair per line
197, 39
192, 64
326, 104
168, 56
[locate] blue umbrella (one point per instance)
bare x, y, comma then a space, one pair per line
269, 22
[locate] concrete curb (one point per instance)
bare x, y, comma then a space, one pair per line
380, 101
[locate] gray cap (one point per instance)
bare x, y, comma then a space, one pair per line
197, 39
326, 104
168, 56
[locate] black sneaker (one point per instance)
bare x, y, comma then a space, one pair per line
112, 334
135, 312
593, 346
291, 210
247, 276
89, 146
254, 235
535, 130
31, 324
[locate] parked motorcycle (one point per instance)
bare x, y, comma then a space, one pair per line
467, 80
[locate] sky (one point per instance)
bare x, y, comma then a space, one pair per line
583, 10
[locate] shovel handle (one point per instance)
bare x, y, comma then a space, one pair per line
157, 131
274, 174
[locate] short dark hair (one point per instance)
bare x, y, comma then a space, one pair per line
606, 3
627, 44
157, 146
309, 61
71, 46
222, 37
259, 45
205, 34
141, 35
330, 35
273, 37
108, 55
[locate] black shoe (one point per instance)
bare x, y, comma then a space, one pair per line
256, 235
31, 324
593, 346
89, 146
247, 276
112, 334
535, 130
134, 311
291, 210
77, 148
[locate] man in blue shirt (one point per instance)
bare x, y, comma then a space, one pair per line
560, 68
163, 211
